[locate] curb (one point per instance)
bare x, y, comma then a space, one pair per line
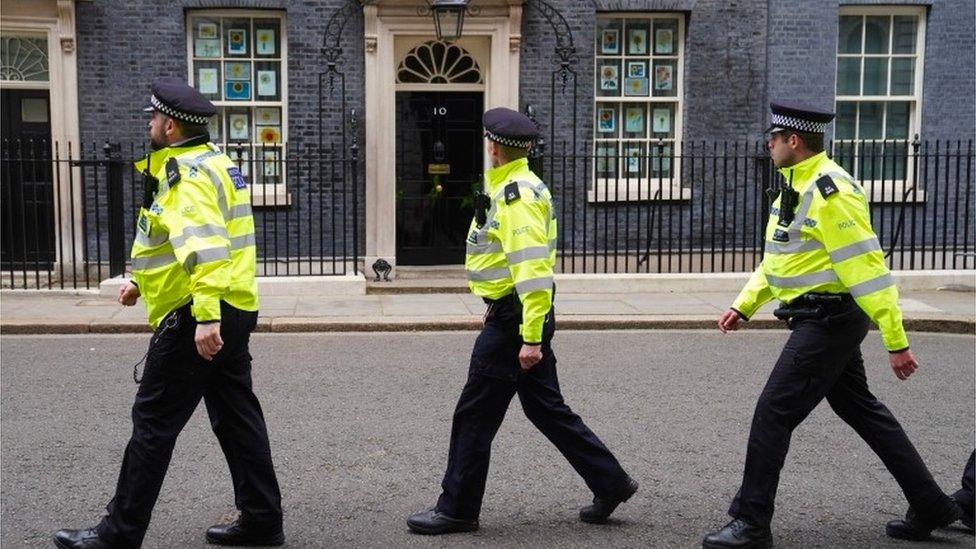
313, 325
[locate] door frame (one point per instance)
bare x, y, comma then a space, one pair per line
55, 19
383, 23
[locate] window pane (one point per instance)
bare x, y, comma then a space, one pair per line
238, 124
215, 126
845, 127
662, 120
895, 161
665, 37
870, 120
606, 159
206, 37
634, 160
267, 78
637, 32
609, 82
207, 79
635, 121
660, 160
665, 78
237, 81
267, 164
902, 76
267, 38
903, 37
606, 121
241, 155
876, 34
609, 34
849, 76
875, 76
897, 123
849, 40
237, 35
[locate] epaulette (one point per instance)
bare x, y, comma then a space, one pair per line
512, 192
172, 172
827, 186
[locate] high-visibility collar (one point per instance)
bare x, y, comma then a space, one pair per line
157, 159
803, 173
496, 178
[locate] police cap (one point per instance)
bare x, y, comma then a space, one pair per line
174, 98
510, 128
798, 117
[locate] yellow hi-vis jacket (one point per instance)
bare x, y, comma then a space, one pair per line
830, 247
516, 247
196, 240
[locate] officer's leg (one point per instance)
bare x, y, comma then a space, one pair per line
853, 401
479, 413
543, 404
163, 405
238, 422
964, 496
805, 371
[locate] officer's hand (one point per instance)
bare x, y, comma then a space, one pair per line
903, 363
729, 321
128, 294
529, 356
208, 340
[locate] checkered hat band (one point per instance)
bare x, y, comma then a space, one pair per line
508, 141
173, 113
799, 124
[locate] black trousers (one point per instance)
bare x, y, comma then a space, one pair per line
175, 380
964, 495
822, 359
494, 377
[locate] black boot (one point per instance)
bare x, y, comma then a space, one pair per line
967, 517
600, 511
739, 534
80, 539
915, 528
244, 534
432, 522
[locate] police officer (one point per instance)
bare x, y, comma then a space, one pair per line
511, 252
193, 263
824, 263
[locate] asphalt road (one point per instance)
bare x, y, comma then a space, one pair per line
360, 423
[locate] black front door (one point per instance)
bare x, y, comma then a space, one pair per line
26, 191
439, 166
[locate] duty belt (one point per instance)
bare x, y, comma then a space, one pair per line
813, 306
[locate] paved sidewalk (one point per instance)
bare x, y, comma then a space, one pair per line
36, 312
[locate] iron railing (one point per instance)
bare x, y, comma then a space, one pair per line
664, 207
68, 212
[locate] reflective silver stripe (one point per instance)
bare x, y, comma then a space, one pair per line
535, 252
793, 247
239, 242
488, 274
201, 231
801, 215
811, 279
218, 186
873, 285
533, 284
206, 255
492, 247
522, 185
151, 241
146, 263
855, 249
240, 210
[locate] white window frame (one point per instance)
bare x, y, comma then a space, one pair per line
634, 189
888, 190
262, 194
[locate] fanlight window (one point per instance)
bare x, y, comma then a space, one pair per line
437, 62
23, 58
